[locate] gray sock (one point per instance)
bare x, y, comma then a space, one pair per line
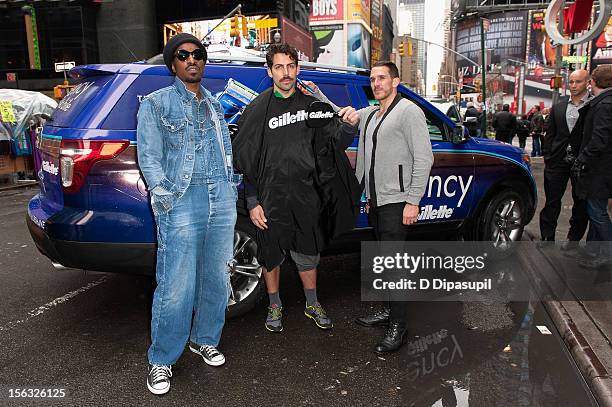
311, 296
275, 299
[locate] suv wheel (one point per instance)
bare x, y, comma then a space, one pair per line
245, 276
502, 221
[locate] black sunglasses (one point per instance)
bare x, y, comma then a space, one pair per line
183, 54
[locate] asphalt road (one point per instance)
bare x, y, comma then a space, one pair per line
87, 333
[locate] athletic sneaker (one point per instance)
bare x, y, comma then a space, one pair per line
318, 315
209, 353
274, 320
158, 380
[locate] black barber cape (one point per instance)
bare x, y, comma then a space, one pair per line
302, 177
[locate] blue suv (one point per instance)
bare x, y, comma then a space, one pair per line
93, 212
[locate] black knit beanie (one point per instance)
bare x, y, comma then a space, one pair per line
174, 42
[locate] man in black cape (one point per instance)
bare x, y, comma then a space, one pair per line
300, 189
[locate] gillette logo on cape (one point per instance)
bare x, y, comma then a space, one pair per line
301, 115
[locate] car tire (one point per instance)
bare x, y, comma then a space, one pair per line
502, 221
246, 276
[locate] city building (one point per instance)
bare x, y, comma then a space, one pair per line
119, 31
412, 18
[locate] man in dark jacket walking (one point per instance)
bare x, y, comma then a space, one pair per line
504, 124
523, 127
593, 167
471, 118
537, 130
561, 143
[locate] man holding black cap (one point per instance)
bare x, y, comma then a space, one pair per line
185, 155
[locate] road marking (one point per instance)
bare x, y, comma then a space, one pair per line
59, 300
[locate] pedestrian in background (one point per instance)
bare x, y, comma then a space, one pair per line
504, 124
593, 167
185, 155
537, 130
560, 147
471, 118
523, 127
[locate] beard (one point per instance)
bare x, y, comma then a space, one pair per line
194, 79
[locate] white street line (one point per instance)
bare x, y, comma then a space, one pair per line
44, 308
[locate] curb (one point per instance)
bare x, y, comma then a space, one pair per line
590, 366
597, 377
21, 185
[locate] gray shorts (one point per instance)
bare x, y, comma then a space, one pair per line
305, 262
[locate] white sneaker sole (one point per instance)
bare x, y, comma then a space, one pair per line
157, 391
208, 362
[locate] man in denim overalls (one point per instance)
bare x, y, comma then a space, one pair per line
185, 155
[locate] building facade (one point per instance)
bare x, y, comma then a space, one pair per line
118, 31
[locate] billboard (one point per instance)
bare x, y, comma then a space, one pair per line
376, 23
328, 44
358, 10
294, 35
601, 47
358, 46
541, 53
505, 40
326, 10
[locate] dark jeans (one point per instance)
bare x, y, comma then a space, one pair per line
556, 176
600, 230
387, 223
536, 151
522, 140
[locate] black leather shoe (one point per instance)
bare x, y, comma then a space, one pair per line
393, 339
378, 318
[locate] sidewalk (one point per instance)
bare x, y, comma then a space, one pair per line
585, 326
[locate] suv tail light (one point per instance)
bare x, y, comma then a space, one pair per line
77, 157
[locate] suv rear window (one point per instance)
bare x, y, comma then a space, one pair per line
123, 115
74, 103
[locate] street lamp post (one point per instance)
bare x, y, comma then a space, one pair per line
483, 122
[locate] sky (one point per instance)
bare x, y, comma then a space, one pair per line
434, 32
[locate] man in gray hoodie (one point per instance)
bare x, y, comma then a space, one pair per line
394, 159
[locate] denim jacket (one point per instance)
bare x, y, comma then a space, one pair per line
167, 142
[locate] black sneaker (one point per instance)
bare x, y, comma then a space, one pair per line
274, 320
209, 353
158, 380
318, 315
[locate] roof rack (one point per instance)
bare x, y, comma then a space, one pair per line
221, 57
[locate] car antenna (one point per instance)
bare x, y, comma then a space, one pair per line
125, 46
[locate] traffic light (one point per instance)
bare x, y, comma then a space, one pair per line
477, 87
401, 48
409, 49
556, 82
234, 31
245, 27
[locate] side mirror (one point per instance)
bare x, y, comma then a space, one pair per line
458, 135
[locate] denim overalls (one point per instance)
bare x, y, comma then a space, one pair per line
195, 239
